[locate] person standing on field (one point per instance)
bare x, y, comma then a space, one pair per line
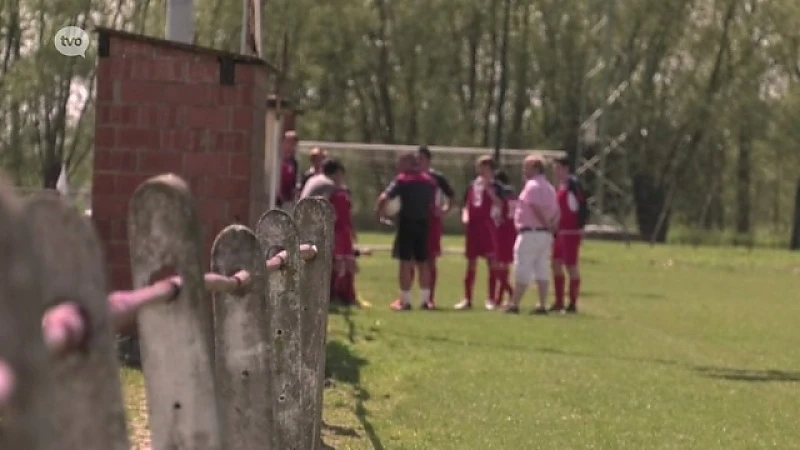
499, 281
416, 190
536, 220
480, 215
573, 205
442, 204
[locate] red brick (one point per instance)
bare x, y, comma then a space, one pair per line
208, 118
129, 47
141, 92
239, 210
188, 94
231, 142
176, 140
211, 210
240, 164
119, 68
102, 112
121, 159
221, 187
117, 253
104, 136
208, 164
119, 228
103, 182
202, 141
125, 115
170, 70
103, 228
127, 183
160, 161
241, 119
138, 138
120, 278
245, 74
106, 204
143, 69
203, 70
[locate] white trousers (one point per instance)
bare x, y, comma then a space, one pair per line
532, 252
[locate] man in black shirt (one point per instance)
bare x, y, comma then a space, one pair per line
445, 196
417, 192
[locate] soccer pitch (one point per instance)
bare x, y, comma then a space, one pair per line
674, 348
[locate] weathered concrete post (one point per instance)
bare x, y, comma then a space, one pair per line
242, 342
177, 336
26, 422
276, 231
87, 401
314, 220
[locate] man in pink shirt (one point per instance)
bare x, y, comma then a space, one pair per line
536, 219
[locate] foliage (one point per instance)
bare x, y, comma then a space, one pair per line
704, 92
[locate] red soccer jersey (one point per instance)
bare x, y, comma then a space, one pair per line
569, 204
343, 225
288, 182
478, 202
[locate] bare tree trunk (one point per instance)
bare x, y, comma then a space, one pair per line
794, 244
491, 79
743, 178
384, 73
501, 98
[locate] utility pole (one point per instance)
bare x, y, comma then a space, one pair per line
180, 21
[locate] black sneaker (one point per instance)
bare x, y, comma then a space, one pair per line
539, 311
556, 308
428, 306
572, 309
510, 309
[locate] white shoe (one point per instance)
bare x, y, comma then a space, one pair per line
491, 306
463, 305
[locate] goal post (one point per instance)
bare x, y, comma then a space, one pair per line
370, 167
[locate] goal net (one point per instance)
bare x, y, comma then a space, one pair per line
370, 167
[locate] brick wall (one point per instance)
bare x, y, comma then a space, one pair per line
168, 107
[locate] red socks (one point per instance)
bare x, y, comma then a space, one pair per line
505, 285
574, 290
469, 284
559, 282
493, 285
433, 279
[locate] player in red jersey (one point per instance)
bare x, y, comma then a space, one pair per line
566, 246
344, 267
442, 205
480, 213
499, 283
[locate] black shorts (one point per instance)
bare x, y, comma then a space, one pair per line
411, 240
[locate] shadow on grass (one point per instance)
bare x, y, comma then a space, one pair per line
756, 376
343, 366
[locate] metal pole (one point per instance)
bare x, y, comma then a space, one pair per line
180, 21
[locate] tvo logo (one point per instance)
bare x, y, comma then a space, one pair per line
72, 41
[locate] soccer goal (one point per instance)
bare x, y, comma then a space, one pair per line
370, 167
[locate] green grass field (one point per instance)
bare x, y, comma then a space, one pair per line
674, 348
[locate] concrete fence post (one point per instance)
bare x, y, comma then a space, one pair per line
242, 343
176, 336
87, 404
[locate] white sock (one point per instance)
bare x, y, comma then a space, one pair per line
424, 296
405, 297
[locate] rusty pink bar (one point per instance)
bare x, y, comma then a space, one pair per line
307, 253
7, 383
65, 328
